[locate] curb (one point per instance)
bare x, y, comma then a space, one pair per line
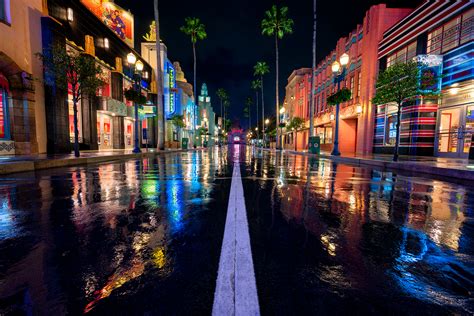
42, 164
462, 174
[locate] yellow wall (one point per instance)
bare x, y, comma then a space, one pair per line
21, 41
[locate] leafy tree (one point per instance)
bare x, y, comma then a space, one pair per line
400, 83
295, 124
77, 71
277, 23
196, 30
226, 107
178, 122
260, 70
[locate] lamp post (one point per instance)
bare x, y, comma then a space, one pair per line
267, 121
339, 75
137, 68
282, 112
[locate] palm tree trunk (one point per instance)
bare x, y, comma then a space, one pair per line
311, 108
397, 140
194, 95
159, 83
256, 97
263, 107
277, 145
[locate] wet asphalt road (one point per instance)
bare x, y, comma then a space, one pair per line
144, 237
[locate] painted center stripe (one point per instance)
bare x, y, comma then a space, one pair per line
236, 290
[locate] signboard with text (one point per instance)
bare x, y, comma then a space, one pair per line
120, 21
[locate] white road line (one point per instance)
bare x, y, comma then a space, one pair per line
236, 290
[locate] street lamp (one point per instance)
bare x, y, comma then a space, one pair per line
339, 71
267, 121
137, 68
282, 112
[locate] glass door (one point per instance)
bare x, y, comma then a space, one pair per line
456, 127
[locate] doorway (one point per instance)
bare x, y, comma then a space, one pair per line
455, 130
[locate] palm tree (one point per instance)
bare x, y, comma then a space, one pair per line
222, 95
261, 69
277, 23
248, 111
226, 104
256, 84
196, 30
159, 81
311, 108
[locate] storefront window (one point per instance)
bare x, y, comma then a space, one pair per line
104, 131
390, 134
128, 126
4, 119
467, 26
469, 129
452, 34
325, 134
71, 116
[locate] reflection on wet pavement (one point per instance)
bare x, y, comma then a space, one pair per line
342, 239
123, 237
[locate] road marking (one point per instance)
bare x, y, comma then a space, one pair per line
236, 290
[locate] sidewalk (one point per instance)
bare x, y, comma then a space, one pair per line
444, 167
14, 164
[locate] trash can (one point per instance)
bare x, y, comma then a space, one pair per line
184, 143
314, 145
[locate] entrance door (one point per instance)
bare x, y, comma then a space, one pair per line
455, 131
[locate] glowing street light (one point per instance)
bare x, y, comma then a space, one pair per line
339, 75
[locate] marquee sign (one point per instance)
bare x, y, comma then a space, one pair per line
120, 21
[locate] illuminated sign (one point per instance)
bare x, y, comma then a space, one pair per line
117, 19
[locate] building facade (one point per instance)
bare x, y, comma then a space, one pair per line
440, 33
357, 115
297, 103
105, 120
185, 101
206, 120
22, 107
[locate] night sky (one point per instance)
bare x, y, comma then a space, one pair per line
234, 43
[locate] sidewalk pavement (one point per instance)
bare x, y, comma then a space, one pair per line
14, 164
443, 167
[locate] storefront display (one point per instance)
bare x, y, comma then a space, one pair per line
104, 131
3, 114
128, 132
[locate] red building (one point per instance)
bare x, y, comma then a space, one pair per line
358, 114
297, 105
441, 32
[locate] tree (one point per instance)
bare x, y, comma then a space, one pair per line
196, 31
295, 125
77, 71
247, 110
256, 84
222, 95
159, 81
400, 83
276, 23
260, 70
312, 105
178, 122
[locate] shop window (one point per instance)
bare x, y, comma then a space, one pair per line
467, 29
402, 55
390, 125
352, 87
4, 118
359, 77
325, 134
452, 34
5, 11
